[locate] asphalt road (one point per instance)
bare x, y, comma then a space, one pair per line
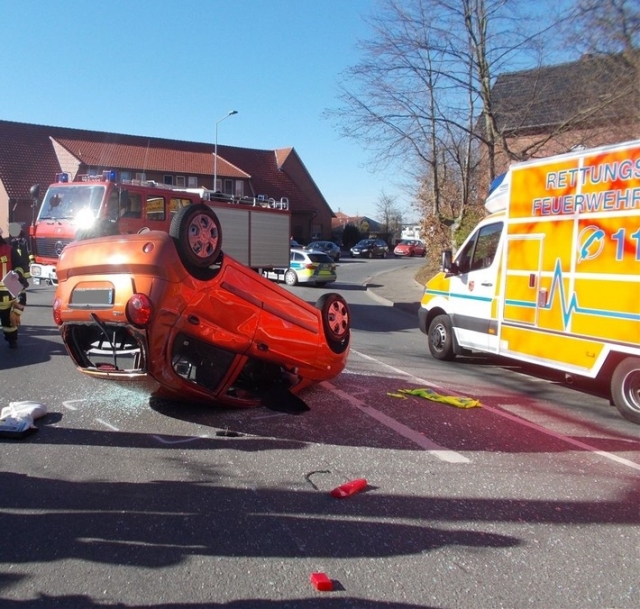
530, 500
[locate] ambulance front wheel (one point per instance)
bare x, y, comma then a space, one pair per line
441, 338
625, 388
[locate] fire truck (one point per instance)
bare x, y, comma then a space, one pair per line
256, 230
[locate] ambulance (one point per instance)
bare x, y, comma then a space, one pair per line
552, 275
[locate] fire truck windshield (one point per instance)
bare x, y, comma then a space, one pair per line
66, 202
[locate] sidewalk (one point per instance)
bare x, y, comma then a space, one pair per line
397, 288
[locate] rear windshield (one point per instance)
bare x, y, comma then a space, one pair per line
319, 258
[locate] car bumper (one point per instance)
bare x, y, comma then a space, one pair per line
316, 278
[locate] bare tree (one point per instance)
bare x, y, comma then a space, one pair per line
421, 95
609, 32
607, 27
389, 214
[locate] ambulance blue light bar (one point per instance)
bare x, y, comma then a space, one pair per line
62, 177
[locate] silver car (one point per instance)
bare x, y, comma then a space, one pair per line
328, 247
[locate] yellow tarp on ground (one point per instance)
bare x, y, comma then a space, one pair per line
430, 394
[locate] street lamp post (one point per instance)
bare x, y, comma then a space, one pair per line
215, 151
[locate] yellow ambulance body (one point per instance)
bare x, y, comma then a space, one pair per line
552, 276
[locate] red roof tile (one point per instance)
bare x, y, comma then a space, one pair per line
27, 157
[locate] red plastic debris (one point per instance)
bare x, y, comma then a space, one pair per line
349, 488
321, 582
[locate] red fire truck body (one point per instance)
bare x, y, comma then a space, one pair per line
256, 232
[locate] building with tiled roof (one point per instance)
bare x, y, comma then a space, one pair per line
552, 109
365, 225
33, 154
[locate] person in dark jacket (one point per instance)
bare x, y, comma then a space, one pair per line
13, 297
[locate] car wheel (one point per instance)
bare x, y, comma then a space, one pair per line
336, 321
370, 255
625, 388
384, 254
441, 338
198, 236
290, 277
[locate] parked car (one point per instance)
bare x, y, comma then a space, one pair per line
175, 316
370, 248
328, 247
410, 247
306, 267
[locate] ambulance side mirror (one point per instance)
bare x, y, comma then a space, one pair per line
446, 263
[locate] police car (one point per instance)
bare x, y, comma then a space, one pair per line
306, 266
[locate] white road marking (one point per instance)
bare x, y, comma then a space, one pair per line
107, 424
436, 450
563, 438
270, 416
521, 421
180, 441
411, 377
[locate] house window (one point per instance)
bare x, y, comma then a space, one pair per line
228, 187
141, 176
180, 181
125, 175
192, 182
239, 188
168, 180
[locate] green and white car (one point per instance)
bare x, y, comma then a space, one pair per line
306, 267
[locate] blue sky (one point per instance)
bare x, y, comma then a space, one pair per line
171, 69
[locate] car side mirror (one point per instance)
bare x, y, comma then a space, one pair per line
446, 262
448, 265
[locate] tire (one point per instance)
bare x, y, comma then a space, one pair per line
336, 321
384, 255
290, 277
370, 255
625, 389
441, 338
197, 233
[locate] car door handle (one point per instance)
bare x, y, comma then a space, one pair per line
486, 284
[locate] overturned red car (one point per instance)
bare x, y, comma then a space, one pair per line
175, 316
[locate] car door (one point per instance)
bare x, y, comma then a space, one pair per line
474, 289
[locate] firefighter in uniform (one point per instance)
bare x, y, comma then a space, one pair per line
11, 306
20, 243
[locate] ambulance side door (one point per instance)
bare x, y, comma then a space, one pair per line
474, 287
